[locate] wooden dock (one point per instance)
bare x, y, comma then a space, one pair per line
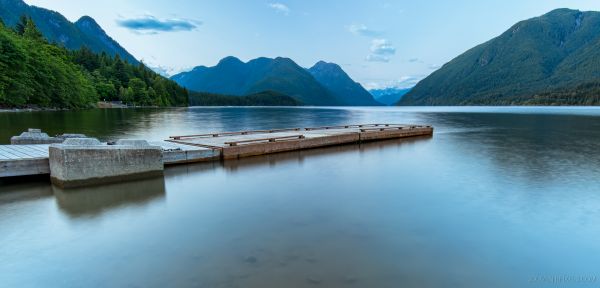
21, 160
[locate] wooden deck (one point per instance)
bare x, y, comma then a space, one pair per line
19, 160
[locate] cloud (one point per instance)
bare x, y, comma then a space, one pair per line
362, 30
434, 67
280, 8
400, 83
149, 24
381, 51
413, 60
164, 70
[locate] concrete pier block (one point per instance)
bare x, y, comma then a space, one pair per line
85, 161
34, 136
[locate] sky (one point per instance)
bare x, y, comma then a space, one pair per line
378, 43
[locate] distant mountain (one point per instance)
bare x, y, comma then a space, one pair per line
56, 28
346, 91
234, 77
551, 59
389, 96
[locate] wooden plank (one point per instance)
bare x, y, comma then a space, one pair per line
36, 151
43, 148
8, 154
221, 134
13, 168
28, 151
272, 139
16, 151
194, 144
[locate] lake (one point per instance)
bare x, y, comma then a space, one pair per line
498, 197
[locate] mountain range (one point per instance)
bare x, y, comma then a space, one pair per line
57, 29
344, 89
322, 84
547, 60
389, 96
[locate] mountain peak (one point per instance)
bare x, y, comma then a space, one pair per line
346, 90
87, 20
230, 60
88, 23
562, 11
326, 66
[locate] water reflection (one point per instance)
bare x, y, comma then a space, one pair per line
496, 197
273, 160
93, 201
24, 189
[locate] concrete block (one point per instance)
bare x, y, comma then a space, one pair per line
84, 162
70, 135
129, 142
34, 136
82, 142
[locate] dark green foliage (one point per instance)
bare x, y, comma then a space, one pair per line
57, 29
537, 61
33, 72
116, 80
36, 73
266, 98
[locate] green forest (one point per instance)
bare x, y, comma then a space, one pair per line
266, 98
35, 73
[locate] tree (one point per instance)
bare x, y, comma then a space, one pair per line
20, 26
138, 90
32, 32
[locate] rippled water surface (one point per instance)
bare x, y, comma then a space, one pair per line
498, 197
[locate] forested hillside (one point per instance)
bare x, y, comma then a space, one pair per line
34, 72
85, 32
266, 98
553, 59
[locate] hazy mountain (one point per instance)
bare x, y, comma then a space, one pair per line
389, 96
234, 77
543, 60
346, 91
56, 28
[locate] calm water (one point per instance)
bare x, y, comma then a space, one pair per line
498, 197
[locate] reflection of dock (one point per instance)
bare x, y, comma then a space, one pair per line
90, 201
20, 160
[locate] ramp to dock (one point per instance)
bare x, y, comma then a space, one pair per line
21, 160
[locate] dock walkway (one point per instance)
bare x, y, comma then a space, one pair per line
21, 160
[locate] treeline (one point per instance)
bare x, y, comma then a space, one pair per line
583, 95
266, 98
34, 72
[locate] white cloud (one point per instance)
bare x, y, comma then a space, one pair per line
362, 30
377, 58
382, 47
400, 83
381, 51
280, 8
166, 71
434, 67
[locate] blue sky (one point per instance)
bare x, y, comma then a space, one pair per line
379, 43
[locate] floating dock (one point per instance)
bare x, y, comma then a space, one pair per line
22, 160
